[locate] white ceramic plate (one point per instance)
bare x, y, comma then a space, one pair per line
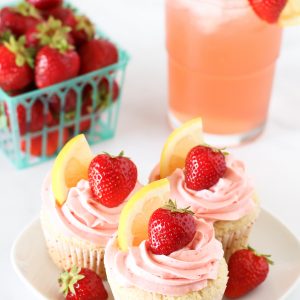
31, 262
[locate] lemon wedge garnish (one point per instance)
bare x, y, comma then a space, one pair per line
291, 14
134, 218
71, 165
178, 144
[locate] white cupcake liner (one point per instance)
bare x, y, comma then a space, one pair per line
66, 252
235, 239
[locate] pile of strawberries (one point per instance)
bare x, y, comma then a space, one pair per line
43, 43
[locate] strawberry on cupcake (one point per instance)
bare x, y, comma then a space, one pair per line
215, 185
82, 200
211, 182
161, 251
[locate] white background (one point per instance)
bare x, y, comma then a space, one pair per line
273, 161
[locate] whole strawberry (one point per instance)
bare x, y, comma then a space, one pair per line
45, 4
112, 179
96, 54
53, 66
83, 31
247, 270
64, 14
204, 166
19, 19
170, 229
16, 64
82, 284
268, 10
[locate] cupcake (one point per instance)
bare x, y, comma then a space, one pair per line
177, 258
225, 198
78, 221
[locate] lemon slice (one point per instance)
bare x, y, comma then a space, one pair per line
71, 165
178, 144
291, 14
134, 218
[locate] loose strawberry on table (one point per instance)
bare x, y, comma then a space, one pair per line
204, 166
170, 229
82, 284
112, 178
247, 270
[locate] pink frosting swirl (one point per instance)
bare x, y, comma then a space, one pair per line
229, 199
82, 216
181, 272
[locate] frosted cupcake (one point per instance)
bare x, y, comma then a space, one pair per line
179, 257
228, 201
82, 200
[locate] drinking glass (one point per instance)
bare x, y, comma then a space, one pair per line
221, 63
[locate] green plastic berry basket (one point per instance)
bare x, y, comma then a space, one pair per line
29, 135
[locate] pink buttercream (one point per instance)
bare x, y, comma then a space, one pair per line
81, 216
181, 272
229, 199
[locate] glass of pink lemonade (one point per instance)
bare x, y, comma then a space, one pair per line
221, 64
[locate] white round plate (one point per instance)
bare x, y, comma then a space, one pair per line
31, 262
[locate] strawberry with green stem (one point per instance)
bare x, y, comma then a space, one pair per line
247, 270
83, 30
170, 229
64, 14
19, 19
204, 166
47, 33
112, 178
16, 65
82, 284
56, 62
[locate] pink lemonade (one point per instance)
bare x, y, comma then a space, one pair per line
221, 64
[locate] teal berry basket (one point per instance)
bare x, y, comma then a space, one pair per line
29, 134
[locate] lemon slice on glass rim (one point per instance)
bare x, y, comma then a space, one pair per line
178, 144
70, 165
134, 218
291, 14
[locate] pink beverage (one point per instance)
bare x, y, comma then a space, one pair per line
221, 66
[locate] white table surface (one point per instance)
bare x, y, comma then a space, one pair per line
273, 161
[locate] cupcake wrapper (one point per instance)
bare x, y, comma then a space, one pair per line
66, 253
235, 240
214, 290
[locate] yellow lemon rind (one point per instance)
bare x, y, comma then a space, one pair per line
156, 188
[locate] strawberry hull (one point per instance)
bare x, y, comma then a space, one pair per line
88, 103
